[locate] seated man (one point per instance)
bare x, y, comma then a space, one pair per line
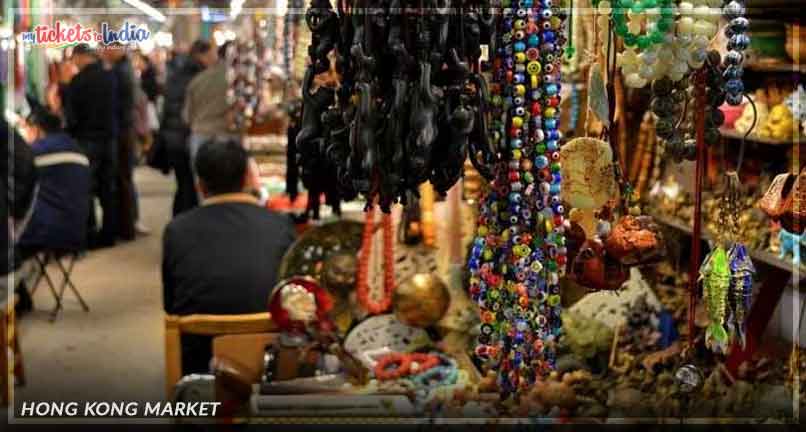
59, 219
18, 187
222, 257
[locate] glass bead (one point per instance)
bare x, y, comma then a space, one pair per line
734, 9
739, 42
734, 99
734, 86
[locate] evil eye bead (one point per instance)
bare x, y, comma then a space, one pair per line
549, 68
739, 42
552, 146
737, 25
515, 143
734, 99
733, 10
733, 72
541, 162
519, 111
518, 100
539, 135
734, 58
546, 14
522, 13
734, 86
545, 25
533, 54
519, 35
555, 156
546, 3
533, 67
518, 78
520, 90
520, 57
519, 46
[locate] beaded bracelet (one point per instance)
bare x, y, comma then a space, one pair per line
628, 31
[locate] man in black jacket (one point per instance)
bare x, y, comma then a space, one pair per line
174, 132
91, 116
223, 257
117, 62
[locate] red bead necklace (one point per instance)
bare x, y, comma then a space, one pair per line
362, 283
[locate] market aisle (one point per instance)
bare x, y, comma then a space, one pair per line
114, 352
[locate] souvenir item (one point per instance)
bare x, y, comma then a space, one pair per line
421, 300
595, 270
383, 334
519, 252
379, 303
689, 377
597, 97
299, 305
635, 240
309, 254
738, 41
740, 291
780, 124
587, 171
790, 245
715, 277
785, 201
411, 103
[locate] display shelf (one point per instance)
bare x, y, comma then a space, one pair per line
733, 134
782, 67
758, 255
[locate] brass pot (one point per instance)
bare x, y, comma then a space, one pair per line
421, 301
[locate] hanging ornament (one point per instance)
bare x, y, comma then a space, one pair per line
371, 305
519, 253
738, 41
715, 277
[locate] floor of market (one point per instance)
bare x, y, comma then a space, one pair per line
114, 352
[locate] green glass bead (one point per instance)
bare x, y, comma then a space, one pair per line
626, 4
643, 42
622, 30
637, 8
666, 12
630, 39
657, 37
555, 167
540, 148
619, 17
649, 4
664, 25
551, 266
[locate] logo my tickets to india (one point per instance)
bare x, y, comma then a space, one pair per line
62, 34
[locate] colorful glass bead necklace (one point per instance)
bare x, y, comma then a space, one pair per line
518, 255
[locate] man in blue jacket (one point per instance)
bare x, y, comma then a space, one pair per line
60, 211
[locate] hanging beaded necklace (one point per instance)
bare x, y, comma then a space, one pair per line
518, 254
381, 305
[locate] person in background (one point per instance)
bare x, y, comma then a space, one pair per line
206, 110
116, 60
89, 109
18, 185
59, 218
148, 78
174, 131
223, 257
